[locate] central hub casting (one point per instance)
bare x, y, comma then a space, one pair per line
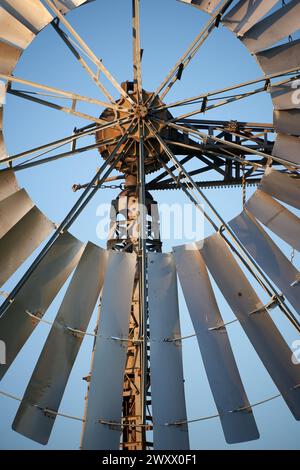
108, 138
141, 111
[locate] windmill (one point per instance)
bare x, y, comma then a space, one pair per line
136, 386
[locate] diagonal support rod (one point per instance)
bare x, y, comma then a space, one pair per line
49, 104
232, 99
176, 72
230, 156
266, 79
66, 140
88, 51
31, 163
83, 63
205, 137
57, 91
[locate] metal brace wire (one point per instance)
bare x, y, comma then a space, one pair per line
180, 423
80, 332
73, 330
218, 327
268, 306
242, 409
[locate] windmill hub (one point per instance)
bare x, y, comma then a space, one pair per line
108, 138
141, 111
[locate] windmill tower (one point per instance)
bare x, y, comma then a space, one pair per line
136, 396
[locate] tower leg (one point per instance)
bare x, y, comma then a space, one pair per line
136, 394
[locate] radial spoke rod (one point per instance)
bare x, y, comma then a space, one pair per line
196, 98
62, 93
176, 72
88, 51
83, 63
137, 68
49, 104
66, 140
231, 99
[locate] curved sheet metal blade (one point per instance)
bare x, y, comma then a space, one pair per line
50, 377
268, 256
167, 382
246, 14
287, 147
282, 186
287, 121
286, 96
9, 56
31, 13
21, 241
254, 319
106, 386
276, 217
278, 25
8, 184
206, 5
37, 294
218, 359
3, 151
281, 58
66, 5
14, 32
12, 209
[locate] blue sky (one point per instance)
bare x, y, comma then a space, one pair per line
168, 27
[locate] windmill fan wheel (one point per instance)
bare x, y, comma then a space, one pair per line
136, 387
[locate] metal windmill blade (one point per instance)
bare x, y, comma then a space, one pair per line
137, 391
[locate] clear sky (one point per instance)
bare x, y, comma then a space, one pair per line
168, 27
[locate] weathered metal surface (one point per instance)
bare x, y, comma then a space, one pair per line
3, 151
268, 256
66, 5
37, 294
206, 5
281, 58
167, 382
275, 27
12, 209
246, 14
106, 386
52, 371
14, 32
31, 13
9, 56
281, 186
287, 147
218, 359
270, 346
276, 217
286, 96
8, 184
21, 240
288, 122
